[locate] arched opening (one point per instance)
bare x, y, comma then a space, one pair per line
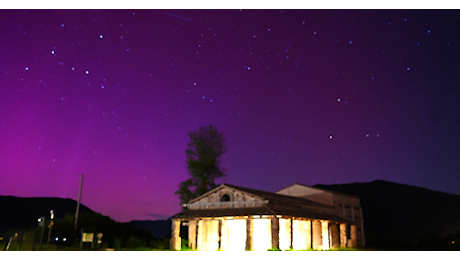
225, 197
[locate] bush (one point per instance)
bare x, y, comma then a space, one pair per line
117, 243
135, 242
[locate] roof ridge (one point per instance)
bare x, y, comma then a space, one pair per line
331, 191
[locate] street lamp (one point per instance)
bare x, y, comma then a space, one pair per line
41, 222
50, 226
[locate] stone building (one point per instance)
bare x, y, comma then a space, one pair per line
298, 217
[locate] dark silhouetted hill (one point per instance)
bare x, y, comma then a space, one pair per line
23, 213
393, 211
158, 228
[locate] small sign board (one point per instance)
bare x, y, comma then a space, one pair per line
88, 237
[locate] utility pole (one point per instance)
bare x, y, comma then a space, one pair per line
78, 204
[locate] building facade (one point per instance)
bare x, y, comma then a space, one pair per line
298, 217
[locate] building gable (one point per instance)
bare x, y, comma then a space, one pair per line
226, 197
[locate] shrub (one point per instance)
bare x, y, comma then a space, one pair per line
135, 242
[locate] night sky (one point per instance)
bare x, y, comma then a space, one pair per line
306, 96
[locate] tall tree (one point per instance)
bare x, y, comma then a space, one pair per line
204, 153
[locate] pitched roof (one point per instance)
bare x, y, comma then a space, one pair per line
273, 198
331, 191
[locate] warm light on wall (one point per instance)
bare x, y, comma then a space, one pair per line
301, 234
285, 234
236, 235
208, 235
262, 235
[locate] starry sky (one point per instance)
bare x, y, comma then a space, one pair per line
306, 96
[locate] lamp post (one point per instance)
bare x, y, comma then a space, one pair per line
50, 227
41, 222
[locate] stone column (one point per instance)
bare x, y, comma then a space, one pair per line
308, 231
201, 233
249, 231
224, 235
343, 235
325, 234
335, 235
285, 234
275, 232
175, 238
353, 236
317, 242
192, 234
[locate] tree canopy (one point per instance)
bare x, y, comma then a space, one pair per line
203, 153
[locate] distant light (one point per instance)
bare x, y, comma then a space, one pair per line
27, 68
101, 36
52, 52
73, 68
87, 72
249, 68
367, 135
338, 100
64, 239
330, 137
350, 42
56, 239
408, 68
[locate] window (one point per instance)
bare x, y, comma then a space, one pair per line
225, 197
